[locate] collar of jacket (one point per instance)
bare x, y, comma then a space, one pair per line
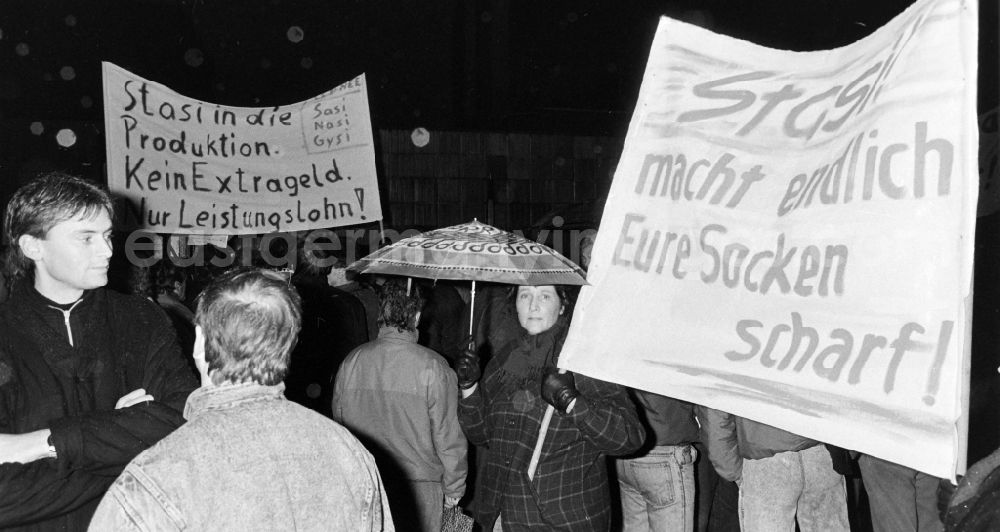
227, 396
393, 333
25, 291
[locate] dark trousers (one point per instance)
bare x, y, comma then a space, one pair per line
717, 499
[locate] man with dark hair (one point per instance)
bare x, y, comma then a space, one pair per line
248, 459
399, 398
88, 377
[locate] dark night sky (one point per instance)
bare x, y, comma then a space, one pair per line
570, 66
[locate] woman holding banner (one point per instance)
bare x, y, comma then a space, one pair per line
502, 408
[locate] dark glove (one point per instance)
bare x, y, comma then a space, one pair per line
467, 367
559, 389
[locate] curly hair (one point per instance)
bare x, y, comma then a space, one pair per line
250, 319
397, 308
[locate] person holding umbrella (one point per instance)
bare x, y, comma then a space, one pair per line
503, 406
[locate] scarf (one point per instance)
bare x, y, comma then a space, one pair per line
528, 356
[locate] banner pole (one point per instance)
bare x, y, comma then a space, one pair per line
537, 453
965, 379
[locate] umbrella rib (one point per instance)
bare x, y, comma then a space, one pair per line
461, 267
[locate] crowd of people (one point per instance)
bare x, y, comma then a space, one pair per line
251, 399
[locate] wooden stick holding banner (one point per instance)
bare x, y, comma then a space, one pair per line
537, 453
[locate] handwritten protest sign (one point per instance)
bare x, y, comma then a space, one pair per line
789, 235
192, 167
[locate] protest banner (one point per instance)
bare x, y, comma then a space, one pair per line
789, 235
192, 167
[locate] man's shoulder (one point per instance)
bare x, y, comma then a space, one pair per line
130, 309
165, 470
422, 365
9, 309
430, 357
16, 305
279, 416
202, 444
404, 354
130, 302
318, 423
180, 443
320, 433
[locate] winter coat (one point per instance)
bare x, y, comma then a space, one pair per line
65, 370
399, 397
570, 489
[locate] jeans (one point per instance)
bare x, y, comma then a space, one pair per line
794, 485
657, 489
901, 499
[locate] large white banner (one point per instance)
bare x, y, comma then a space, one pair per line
789, 235
192, 167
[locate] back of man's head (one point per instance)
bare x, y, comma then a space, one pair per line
400, 303
250, 319
317, 255
41, 204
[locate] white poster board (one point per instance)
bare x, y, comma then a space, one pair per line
192, 167
789, 236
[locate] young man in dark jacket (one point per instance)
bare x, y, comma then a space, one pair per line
88, 377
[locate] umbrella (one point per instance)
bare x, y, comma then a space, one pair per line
475, 251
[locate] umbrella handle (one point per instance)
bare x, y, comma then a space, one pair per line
472, 306
537, 453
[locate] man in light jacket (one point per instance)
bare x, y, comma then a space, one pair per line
399, 398
247, 458
783, 477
